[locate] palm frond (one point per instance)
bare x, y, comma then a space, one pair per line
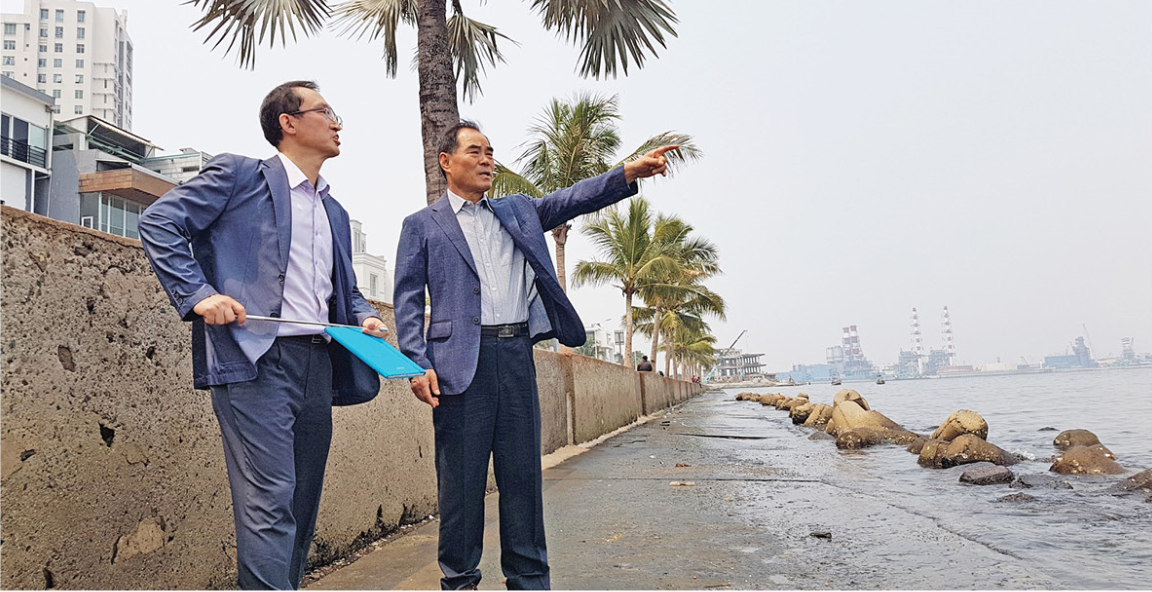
248, 22
595, 273
678, 158
376, 19
507, 182
472, 44
612, 32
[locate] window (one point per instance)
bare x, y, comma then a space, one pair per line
41, 63
43, 48
56, 94
57, 78
79, 94
116, 216
9, 60
43, 32
79, 48
59, 16
58, 48
57, 63
79, 110
79, 32
9, 44
43, 14
10, 74
79, 63
79, 79
59, 32
56, 109
80, 16
42, 78
9, 28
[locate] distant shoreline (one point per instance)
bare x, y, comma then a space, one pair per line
775, 384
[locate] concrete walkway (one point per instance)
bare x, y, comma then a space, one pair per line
713, 494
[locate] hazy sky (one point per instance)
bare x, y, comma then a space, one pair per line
861, 158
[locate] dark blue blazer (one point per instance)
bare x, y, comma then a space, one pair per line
433, 253
228, 230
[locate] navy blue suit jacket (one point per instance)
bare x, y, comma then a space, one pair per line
228, 231
433, 253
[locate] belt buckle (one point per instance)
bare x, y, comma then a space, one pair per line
506, 331
318, 338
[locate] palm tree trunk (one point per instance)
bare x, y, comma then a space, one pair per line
438, 110
560, 234
627, 361
655, 338
668, 363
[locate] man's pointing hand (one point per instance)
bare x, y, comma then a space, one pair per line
651, 163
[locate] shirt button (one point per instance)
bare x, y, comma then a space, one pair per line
475, 320
475, 289
281, 278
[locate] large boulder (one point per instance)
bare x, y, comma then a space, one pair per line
862, 437
743, 396
1141, 481
987, 475
769, 398
1040, 481
962, 422
850, 395
819, 416
800, 413
963, 450
1086, 460
1069, 438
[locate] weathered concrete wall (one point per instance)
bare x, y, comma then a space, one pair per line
112, 473
605, 397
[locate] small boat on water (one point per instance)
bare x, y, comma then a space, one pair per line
835, 382
880, 380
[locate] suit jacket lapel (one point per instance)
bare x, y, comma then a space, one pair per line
444, 216
277, 180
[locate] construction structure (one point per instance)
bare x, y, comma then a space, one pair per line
847, 359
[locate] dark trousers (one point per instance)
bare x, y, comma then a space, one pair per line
498, 416
277, 430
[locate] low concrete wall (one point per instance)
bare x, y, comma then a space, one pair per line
112, 473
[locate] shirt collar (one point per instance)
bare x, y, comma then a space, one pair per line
458, 202
296, 177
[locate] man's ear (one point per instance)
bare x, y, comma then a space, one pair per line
444, 161
287, 125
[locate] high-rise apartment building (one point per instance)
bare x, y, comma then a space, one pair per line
75, 52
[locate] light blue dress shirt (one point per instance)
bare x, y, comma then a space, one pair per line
507, 283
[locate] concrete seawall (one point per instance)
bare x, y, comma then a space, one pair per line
112, 470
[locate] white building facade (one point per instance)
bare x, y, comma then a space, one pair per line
25, 154
75, 52
373, 277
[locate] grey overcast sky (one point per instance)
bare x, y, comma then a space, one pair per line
861, 158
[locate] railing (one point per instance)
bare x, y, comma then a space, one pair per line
21, 151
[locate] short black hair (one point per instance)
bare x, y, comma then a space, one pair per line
450, 141
645, 358
282, 99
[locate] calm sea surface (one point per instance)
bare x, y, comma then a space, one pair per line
1083, 538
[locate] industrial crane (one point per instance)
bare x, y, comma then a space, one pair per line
713, 370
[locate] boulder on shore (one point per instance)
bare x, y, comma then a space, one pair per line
1069, 438
987, 475
769, 398
1141, 481
1086, 460
848, 415
819, 416
963, 450
850, 395
800, 413
1040, 481
962, 422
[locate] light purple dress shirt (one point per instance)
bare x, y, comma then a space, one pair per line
308, 281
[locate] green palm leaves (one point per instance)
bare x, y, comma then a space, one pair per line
656, 258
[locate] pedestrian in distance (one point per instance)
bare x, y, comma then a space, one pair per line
493, 290
265, 238
644, 365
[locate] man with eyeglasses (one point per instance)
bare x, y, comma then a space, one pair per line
263, 237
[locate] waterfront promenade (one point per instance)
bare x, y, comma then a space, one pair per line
717, 494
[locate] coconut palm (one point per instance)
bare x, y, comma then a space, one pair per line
635, 252
682, 299
449, 50
572, 141
693, 349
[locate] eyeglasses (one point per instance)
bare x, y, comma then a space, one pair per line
327, 111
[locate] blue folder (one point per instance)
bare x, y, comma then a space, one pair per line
376, 352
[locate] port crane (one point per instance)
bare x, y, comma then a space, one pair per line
713, 370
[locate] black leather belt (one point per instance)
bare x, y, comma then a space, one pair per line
306, 339
510, 330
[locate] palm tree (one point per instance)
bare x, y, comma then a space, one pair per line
682, 299
693, 349
449, 49
635, 252
576, 140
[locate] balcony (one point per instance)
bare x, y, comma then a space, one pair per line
133, 184
21, 151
